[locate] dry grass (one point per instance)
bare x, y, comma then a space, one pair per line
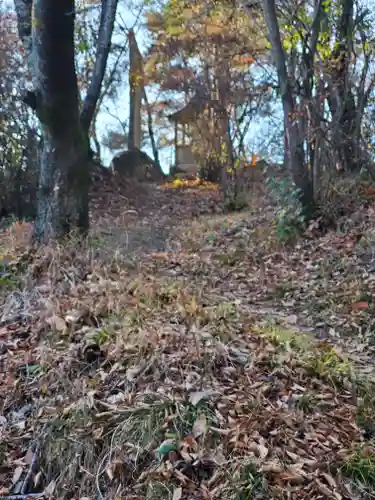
172, 375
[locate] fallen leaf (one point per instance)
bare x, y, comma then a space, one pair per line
323, 489
263, 451
17, 474
163, 256
272, 468
200, 426
57, 323
191, 442
133, 372
4, 331
292, 319
37, 478
330, 480
360, 306
109, 473
76, 315
293, 456
177, 494
196, 397
292, 477
29, 456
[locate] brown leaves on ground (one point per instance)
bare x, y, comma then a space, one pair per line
176, 372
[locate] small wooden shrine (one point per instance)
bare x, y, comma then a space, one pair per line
183, 119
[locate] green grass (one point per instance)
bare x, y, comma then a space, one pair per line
360, 467
245, 482
286, 338
158, 491
327, 364
319, 360
366, 407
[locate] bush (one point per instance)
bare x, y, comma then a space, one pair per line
290, 221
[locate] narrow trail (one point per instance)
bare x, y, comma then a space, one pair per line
144, 218
234, 258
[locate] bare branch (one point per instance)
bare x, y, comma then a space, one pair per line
315, 28
107, 21
277, 48
24, 10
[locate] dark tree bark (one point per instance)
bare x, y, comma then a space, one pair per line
342, 101
293, 141
46, 28
107, 22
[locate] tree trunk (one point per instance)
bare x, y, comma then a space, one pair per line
63, 200
293, 140
47, 34
151, 129
136, 92
295, 155
64, 169
342, 105
94, 137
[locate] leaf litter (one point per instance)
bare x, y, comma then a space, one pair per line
223, 366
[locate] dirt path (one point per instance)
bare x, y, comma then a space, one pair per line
144, 220
322, 287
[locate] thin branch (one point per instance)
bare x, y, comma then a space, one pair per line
274, 36
24, 25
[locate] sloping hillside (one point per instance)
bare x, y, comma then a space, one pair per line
182, 353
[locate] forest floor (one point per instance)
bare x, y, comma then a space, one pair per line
182, 353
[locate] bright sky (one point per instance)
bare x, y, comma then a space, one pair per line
258, 137
109, 117
120, 108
